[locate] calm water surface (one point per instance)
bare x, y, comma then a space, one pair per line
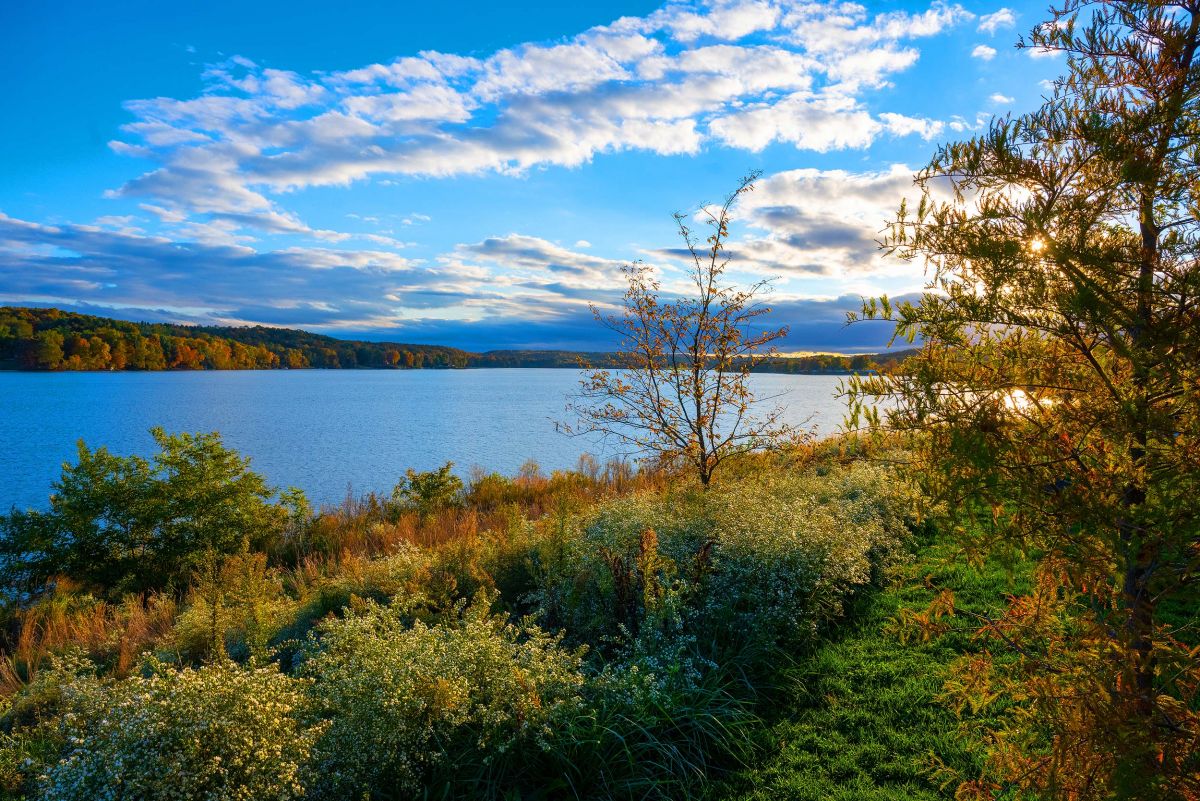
325, 431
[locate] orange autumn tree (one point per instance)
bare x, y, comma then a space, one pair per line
681, 390
1056, 398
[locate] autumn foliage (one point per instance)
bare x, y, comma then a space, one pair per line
1054, 403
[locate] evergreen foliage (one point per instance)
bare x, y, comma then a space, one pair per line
1056, 393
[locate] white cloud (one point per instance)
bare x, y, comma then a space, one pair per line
727, 20
836, 27
1001, 18
533, 262
533, 70
821, 124
901, 125
742, 74
212, 271
958, 124
818, 222
1000, 100
437, 102
168, 215
983, 52
739, 73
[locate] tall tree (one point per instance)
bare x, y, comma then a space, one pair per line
1057, 390
681, 390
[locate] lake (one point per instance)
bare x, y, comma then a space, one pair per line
328, 432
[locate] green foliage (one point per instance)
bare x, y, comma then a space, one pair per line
673, 611
405, 574
51, 339
791, 549
657, 723
1056, 392
428, 492
764, 560
123, 524
413, 704
862, 717
220, 732
235, 607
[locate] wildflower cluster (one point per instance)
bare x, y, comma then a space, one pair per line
404, 697
223, 732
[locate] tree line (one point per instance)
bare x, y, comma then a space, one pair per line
52, 339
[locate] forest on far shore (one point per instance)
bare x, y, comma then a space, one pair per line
52, 339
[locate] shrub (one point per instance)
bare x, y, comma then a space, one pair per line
762, 561
594, 580
657, 723
126, 524
413, 705
789, 549
235, 608
221, 732
428, 492
324, 586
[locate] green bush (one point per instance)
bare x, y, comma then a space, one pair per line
674, 611
599, 581
121, 524
656, 725
221, 732
413, 705
427, 492
761, 561
403, 573
789, 549
235, 608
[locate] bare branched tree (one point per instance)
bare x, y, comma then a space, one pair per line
681, 391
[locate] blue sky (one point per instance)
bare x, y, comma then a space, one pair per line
475, 174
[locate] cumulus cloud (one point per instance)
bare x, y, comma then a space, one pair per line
213, 277
1001, 18
809, 222
1000, 100
983, 52
696, 74
513, 291
901, 125
739, 73
820, 123
532, 261
207, 277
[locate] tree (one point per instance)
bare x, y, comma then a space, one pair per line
122, 524
1056, 392
681, 390
48, 349
428, 492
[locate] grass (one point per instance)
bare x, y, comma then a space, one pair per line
859, 718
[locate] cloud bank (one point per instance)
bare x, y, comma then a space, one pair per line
691, 76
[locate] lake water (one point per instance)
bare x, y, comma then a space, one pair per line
325, 431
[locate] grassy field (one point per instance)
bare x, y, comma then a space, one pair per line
859, 718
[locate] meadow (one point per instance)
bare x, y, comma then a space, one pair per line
596, 633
